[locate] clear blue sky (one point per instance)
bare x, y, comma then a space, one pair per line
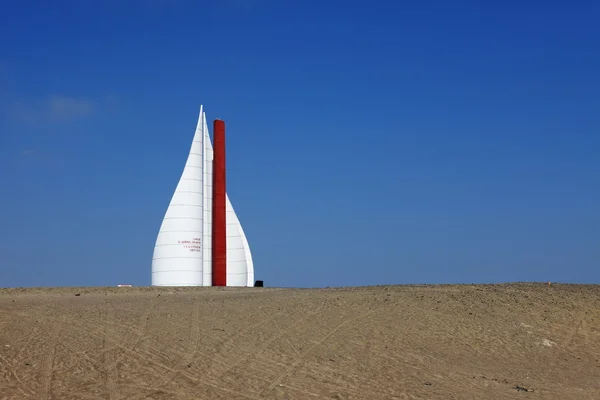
378, 142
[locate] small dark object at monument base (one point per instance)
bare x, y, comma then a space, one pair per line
522, 389
77, 294
258, 284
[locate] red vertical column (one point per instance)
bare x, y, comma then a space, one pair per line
219, 223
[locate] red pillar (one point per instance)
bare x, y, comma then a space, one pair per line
219, 223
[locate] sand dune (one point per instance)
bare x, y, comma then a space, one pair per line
517, 341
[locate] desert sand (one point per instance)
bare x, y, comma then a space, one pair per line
512, 341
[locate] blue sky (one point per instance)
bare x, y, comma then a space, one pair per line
368, 142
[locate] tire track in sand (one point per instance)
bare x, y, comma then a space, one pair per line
189, 355
279, 334
127, 347
231, 338
10, 364
12, 371
109, 355
300, 359
134, 337
45, 392
27, 342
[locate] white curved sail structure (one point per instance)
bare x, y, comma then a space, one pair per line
178, 252
208, 190
182, 253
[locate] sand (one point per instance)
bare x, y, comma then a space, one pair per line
514, 341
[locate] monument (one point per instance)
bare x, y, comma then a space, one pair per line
201, 241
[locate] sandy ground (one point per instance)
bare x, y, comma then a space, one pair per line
517, 341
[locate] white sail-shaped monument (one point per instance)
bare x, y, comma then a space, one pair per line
183, 249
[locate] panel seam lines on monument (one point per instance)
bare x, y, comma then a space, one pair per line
177, 231
182, 218
169, 244
175, 270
